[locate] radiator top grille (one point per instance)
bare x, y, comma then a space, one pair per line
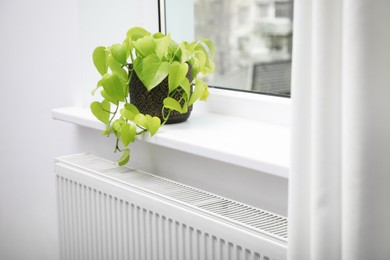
237, 213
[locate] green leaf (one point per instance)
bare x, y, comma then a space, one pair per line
173, 104
198, 90
140, 120
210, 45
158, 35
129, 111
186, 51
117, 68
117, 125
205, 92
99, 84
205, 53
202, 58
194, 66
125, 157
101, 110
145, 46
162, 44
108, 98
132, 108
153, 123
136, 32
177, 73
127, 43
118, 51
95, 89
128, 134
107, 131
151, 70
174, 49
186, 86
100, 57
114, 87
209, 67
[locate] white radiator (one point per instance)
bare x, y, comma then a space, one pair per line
109, 212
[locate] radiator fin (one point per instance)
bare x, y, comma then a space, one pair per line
97, 225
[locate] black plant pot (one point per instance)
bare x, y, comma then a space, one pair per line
151, 102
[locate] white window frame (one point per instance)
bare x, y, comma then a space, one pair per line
235, 103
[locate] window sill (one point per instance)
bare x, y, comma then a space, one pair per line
248, 143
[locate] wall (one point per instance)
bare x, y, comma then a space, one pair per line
105, 24
40, 69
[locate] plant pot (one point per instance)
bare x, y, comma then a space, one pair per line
152, 102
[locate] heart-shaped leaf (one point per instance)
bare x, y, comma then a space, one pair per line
210, 45
107, 131
101, 110
186, 52
151, 70
195, 67
114, 87
173, 104
145, 46
118, 51
174, 49
205, 92
186, 86
177, 73
108, 98
117, 68
100, 57
140, 120
124, 158
153, 123
162, 43
129, 111
128, 133
198, 90
136, 32
201, 57
209, 67
117, 126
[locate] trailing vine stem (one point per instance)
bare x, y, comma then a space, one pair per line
143, 130
108, 111
117, 146
165, 117
114, 114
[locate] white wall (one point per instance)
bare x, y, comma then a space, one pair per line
105, 24
40, 69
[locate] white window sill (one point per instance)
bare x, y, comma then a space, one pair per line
253, 144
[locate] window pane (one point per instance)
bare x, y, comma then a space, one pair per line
253, 39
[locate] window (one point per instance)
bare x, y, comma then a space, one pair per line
253, 40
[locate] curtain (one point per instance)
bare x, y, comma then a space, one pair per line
339, 184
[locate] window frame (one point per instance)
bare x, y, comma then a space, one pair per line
238, 103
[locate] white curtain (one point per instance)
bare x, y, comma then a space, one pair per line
339, 185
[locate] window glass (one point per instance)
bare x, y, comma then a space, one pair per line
253, 40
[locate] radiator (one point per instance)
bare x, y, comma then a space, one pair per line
109, 212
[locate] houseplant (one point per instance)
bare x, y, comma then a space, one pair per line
158, 62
